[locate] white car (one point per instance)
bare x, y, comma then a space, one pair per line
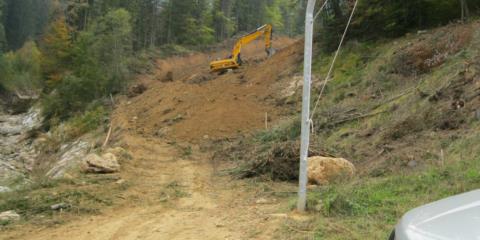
453, 218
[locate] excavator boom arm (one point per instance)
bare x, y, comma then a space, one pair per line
263, 30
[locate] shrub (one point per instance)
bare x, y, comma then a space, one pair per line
72, 95
20, 71
86, 122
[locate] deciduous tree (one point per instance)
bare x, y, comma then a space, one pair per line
56, 45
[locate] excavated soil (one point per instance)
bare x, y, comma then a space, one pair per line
185, 102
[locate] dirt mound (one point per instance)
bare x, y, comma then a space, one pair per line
200, 105
431, 50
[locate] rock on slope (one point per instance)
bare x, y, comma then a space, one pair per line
17, 154
325, 170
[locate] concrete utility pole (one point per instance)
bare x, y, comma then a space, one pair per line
305, 139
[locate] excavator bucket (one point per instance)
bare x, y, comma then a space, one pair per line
271, 52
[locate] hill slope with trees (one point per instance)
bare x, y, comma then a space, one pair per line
402, 105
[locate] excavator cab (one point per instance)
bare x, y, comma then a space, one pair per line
235, 60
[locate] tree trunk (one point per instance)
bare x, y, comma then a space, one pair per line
169, 27
465, 10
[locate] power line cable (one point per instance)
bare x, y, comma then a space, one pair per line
327, 79
320, 10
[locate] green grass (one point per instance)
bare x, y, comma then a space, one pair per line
187, 152
86, 122
286, 131
380, 202
84, 195
172, 192
369, 207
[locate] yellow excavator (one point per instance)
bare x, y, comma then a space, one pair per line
235, 60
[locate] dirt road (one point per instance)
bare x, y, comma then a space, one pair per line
172, 198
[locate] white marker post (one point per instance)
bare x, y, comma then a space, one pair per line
305, 139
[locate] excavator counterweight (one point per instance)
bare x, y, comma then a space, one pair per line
235, 60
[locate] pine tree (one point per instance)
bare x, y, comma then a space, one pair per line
273, 15
24, 20
147, 22
105, 50
186, 22
77, 14
222, 22
249, 14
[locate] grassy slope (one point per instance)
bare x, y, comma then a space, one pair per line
83, 195
391, 109
416, 147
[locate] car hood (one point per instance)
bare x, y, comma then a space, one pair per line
452, 218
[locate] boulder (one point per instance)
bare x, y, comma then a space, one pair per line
107, 163
9, 216
325, 170
59, 206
